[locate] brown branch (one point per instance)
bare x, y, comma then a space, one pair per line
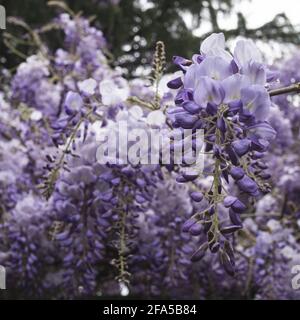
295, 88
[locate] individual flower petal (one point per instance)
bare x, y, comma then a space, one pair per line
191, 107
262, 130
221, 125
214, 45
257, 101
183, 95
163, 88
198, 58
208, 90
214, 67
235, 218
237, 173
111, 93
190, 175
258, 144
181, 62
235, 106
255, 72
73, 102
156, 118
87, 86
232, 87
36, 115
241, 147
197, 196
211, 108
234, 66
229, 200
247, 185
188, 224
246, 51
232, 155
186, 120
215, 40
191, 76
196, 229
175, 83
238, 206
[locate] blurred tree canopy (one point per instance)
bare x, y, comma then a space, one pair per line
132, 27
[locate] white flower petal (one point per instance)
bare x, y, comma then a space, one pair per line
156, 118
36, 115
246, 51
112, 94
87, 86
214, 41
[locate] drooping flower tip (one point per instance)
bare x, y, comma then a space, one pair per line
73, 102
197, 196
175, 83
237, 173
247, 185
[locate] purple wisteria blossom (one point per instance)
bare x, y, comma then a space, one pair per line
226, 96
74, 227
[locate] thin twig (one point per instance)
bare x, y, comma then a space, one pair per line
295, 88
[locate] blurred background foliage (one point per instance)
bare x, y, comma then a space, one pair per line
132, 27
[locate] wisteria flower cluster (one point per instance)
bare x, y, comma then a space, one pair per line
226, 96
74, 227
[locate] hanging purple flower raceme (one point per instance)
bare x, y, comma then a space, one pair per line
26, 250
160, 266
225, 96
32, 86
85, 224
99, 204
